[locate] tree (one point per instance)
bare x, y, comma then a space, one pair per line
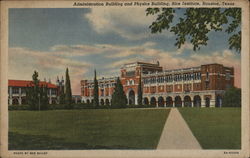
196, 23
68, 93
140, 93
33, 92
44, 100
232, 97
96, 93
119, 98
36, 95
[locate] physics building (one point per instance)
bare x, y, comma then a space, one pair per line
201, 86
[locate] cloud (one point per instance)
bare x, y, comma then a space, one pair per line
76, 50
171, 60
50, 64
22, 63
129, 23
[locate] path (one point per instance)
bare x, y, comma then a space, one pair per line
176, 133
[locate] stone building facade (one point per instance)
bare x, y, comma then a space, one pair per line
17, 91
201, 86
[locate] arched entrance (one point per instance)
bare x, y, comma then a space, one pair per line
197, 101
218, 101
178, 102
145, 101
102, 102
23, 101
161, 102
153, 101
187, 101
15, 101
53, 101
207, 99
131, 97
88, 102
107, 102
169, 102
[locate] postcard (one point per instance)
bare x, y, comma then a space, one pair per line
124, 78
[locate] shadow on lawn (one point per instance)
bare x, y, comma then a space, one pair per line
41, 142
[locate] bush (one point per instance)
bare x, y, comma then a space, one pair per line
232, 97
18, 107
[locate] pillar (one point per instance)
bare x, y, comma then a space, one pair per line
203, 102
20, 96
50, 93
192, 103
136, 99
212, 102
10, 96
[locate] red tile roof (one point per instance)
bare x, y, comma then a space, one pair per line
24, 83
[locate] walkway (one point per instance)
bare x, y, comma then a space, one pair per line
176, 133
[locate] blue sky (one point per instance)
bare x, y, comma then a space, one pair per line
83, 39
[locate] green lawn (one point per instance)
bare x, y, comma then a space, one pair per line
215, 128
86, 129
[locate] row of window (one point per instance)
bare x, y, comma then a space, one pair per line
103, 85
171, 78
23, 91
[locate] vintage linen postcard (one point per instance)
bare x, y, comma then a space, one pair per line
124, 78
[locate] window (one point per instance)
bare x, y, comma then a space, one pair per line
15, 90
227, 76
130, 73
207, 76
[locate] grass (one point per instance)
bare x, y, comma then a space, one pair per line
86, 129
215, 128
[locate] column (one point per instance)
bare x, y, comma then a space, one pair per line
192, 103
203, 103
50, 93
212, 102
156, 103
136, 99
20, 96
10, 95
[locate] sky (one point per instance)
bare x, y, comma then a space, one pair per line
49, 40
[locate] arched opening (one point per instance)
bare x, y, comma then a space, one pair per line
218, 101
145, 101
153, 101
23, 101
207, 102
161, 102
15, 101
197, 101
102, 102
178, 102
107, 102
187, 101
83, 101
131, 97
88, 102
53, 101
92, 101
78, 101
169, 102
